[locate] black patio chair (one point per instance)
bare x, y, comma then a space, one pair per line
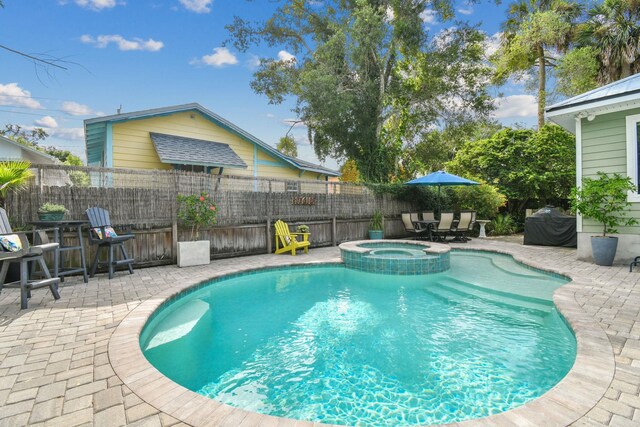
27, 254
102, 234
38, 235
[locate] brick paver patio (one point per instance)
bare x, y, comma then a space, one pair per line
55, 367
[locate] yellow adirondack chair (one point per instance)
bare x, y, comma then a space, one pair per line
286, 241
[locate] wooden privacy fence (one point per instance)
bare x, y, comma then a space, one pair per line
247, 207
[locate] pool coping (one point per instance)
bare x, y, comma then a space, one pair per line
575, 395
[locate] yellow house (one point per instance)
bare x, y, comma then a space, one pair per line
189, 137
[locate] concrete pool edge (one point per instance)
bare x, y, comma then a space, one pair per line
584, 385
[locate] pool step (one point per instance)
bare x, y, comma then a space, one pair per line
452, 289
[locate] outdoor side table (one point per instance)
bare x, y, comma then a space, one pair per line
482, 223
58, 236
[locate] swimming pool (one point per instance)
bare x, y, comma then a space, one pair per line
348, 347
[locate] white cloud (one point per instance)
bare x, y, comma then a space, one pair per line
76, 109
197, 6
12, 94
283, 55
516, 106
428, 16
95, 4
492, 44
467, 11
103, 41
219, 58
254, 61
67, 133
46, 122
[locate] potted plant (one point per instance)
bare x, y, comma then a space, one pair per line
51, 212
302, 228
195, 211
376, 226
604, 200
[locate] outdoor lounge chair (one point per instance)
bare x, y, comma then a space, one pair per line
41, 235
23, 254
444, 226
408, 220
101, 233
286, 240
463, 227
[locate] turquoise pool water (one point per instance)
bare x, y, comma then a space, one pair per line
341, 346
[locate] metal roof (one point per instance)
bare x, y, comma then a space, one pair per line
626, 86
617, 96
189, 151
225, 124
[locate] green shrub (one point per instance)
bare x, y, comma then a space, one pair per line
605, 200
484, 199
502, 225
52, 208
195, 211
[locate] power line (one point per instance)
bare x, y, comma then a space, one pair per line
47, 109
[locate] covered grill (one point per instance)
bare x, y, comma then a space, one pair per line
550, 227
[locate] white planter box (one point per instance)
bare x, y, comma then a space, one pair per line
193, 253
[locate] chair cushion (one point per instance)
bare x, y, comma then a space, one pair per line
108, 231
11, 242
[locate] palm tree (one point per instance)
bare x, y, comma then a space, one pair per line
535, 30
613, 29
13, 177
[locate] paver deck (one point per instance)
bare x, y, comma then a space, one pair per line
55, 366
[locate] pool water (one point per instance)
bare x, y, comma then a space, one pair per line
341, 346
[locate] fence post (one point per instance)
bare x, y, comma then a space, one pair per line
334, 231
268, 231
174, 220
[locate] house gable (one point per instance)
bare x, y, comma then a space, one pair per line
123, 141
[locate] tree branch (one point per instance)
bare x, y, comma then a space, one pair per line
33, 58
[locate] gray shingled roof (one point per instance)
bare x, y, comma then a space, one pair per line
189, 151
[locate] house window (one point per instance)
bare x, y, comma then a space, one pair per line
293, 187
633, 153
191, 168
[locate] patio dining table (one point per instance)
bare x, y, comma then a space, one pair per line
429, 224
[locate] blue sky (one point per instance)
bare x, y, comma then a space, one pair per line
142, 54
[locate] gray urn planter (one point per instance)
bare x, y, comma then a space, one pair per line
194, 253
604, 249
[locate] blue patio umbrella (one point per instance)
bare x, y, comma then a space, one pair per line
441, 178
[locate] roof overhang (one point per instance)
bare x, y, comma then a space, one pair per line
566, 116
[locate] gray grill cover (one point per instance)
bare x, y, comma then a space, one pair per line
550, 227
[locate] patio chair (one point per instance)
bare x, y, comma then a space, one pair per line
428, 216
444, 226
38, 235
286, 240
463, 227
409, 222
102, 234
22, 253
